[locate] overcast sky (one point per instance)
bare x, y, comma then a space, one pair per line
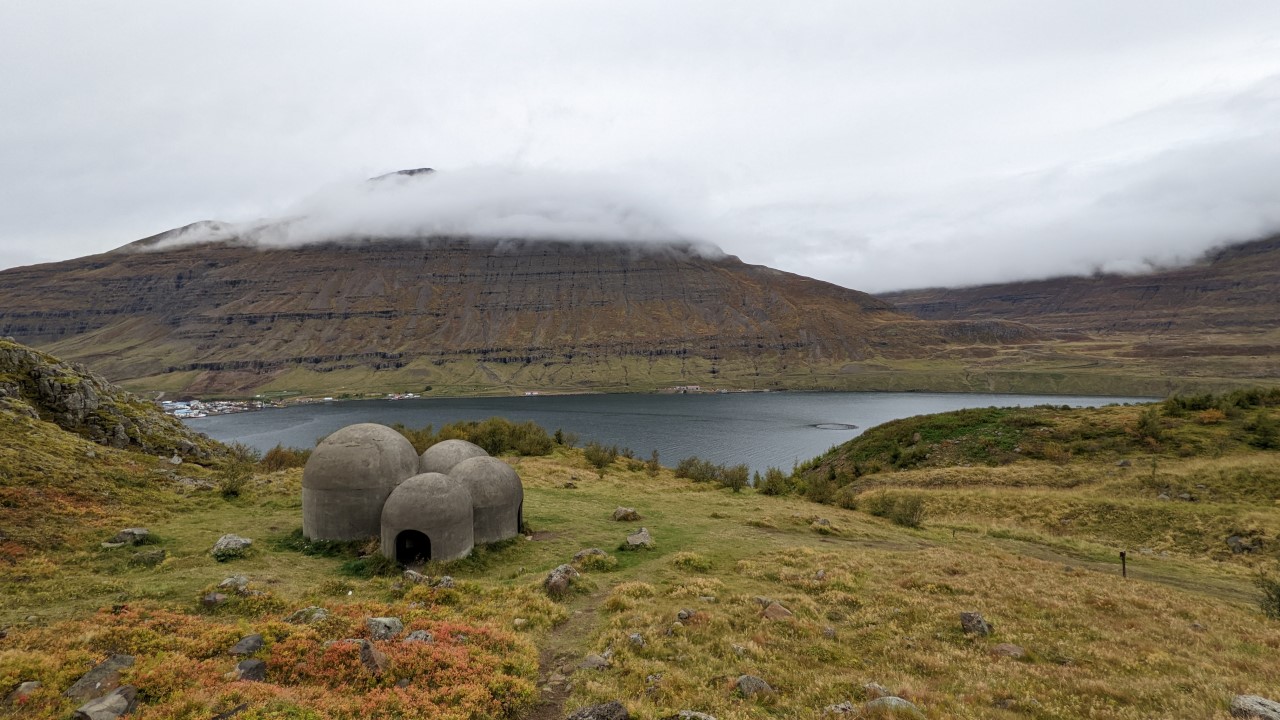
877, 145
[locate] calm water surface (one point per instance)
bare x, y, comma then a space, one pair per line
759, 429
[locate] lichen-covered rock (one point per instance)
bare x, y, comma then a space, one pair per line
383, 628
559, 581
639, 540
894, 705
104, 677
1255, 707
612, 710
750, 686
307, 615
974, 624
120, 701
230, 546
775, 611
248, 645
626, 514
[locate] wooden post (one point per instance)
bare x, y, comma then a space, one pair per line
1124, 568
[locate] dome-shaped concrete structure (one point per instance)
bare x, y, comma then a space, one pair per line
348, 478
441, 457
428, 517
496, 495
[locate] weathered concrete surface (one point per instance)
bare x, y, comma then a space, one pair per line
436, 506
444, 455
348, 478
496, 495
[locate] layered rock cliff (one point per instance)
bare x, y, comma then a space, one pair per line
228, 316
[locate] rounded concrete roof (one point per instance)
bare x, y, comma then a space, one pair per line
426, 501
492, 482
366, 456
441, 457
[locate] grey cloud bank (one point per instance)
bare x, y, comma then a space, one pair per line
875, 145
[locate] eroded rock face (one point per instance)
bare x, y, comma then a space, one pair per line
79, 401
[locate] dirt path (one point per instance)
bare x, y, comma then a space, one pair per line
560, 652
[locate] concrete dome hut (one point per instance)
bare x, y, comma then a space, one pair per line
496, 494
348, 478
444, 455
428, 517
366, 480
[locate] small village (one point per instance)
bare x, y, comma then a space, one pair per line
189, 409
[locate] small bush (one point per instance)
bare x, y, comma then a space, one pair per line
734, 477
691, 561
904, 510
774, 482
283, 458
1213, 416
600, 456
697, 469
235, 479
372, 565
1266, 432
596, 563
498, 436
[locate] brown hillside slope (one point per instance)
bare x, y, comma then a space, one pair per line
227, 317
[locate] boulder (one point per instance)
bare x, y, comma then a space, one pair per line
230, 546
213, 600
418, 636
636, 639
238, 583
640, 539
626, 514
894, 705
974, 624
1254, 706
750, 686
104, 677
307, 615
252, 670
1009, 650
594, 662
776, 611
559, 581
120, 701
248, 645
131, 536
384, 628
1241, 544
612, 710
23, 691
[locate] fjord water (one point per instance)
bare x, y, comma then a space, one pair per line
758, 429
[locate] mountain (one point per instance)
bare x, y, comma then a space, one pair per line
228, 315
1230, 289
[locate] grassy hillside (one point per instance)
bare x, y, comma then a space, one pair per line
871, 601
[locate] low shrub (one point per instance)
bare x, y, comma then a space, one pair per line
600, 456
283, 458
904, 510
691, 561
698, 470
1269, 603
774, 482
734, 477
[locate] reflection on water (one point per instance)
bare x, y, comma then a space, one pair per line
759, 429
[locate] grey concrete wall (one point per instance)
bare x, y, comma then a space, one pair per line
438, 507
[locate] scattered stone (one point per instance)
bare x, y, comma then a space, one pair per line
844, 708
23, 691
974, 624
775, 611
559, 580
373, 659
739, 650
639, 540
418, 636
1163, 496
1197, 627
626, 514
895, 705
252, 670
238, 583
1124, 463
1240, 544
519, 623
707, 598
750, 686
612, 710
384, 628
875, 690
690, 715
594, 662
582, 555
1254, 706
307, 615
685, 614
636, 639
415, 577
762, 601
229, 547
120, 701
131, 536
175, 460
829, 632
822, 522
213, 600
148, 558
104, 677
1009, 650
248, 645
446, 582
820, 575
570, 485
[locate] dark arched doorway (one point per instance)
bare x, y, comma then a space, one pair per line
412, 546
